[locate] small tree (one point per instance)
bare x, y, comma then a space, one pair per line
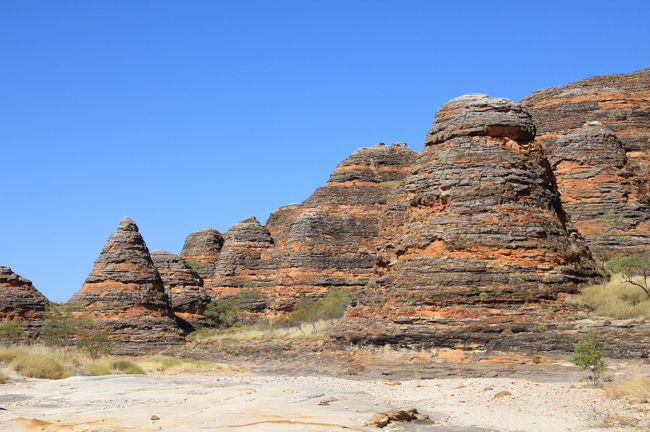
633, 266
588, 353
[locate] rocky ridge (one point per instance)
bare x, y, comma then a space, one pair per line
482, 232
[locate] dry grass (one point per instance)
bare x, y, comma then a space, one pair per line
39, 361
636, 389
316, 330
171, 365
617, 300
3, 378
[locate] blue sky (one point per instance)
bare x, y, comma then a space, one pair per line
192, 114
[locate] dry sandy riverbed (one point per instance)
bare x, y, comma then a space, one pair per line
282, 403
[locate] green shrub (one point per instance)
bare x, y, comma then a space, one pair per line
194, 264
39, 367
13, 329
95, 343
588, 353
231, 311
127, 367
64, 328
308, 310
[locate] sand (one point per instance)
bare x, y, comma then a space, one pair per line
312, 403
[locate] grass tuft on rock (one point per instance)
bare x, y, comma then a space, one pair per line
635, 388
3, 378
166, 364
127, 367
617, 300
32, 366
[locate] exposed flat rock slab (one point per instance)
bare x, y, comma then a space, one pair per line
288, 403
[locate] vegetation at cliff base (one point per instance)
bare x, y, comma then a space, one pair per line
635, 270
63, 327
589, 354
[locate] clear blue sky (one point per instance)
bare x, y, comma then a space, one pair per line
192, 114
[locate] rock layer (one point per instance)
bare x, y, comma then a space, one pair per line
330, 239
602, 169
124, 290
18, 297
477, 223
201, 252
183, 286
246, 260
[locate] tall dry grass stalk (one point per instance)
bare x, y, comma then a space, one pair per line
316, 330
635, 388
617, 300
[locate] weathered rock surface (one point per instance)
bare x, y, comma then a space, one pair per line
246, 260
124, 291
183, 286
18, 297
201, 252
477, 224
602, 169
330, 239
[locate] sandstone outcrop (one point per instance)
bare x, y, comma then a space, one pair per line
184, 287
476, 226
124, 291
246, 260
18, 298
330, 239
201, 252
602, 168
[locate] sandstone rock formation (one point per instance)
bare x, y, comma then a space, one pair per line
602, 169
246, 260
201, 252
330, 239
18, 297
477, 224
125, 291
184, 287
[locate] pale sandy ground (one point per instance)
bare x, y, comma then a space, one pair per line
282, 403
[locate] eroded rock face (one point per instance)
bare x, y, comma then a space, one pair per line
329, 240
184, 287
124, 290
18, 298
201, 252
602, 169
246, 260
478, 222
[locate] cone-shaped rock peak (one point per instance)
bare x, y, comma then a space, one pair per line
18, 297
124, 290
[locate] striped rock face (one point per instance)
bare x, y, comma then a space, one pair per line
330, 239
246, 260
596, 133
124, 290
201, 252
18, 297
477, 224
184, 287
